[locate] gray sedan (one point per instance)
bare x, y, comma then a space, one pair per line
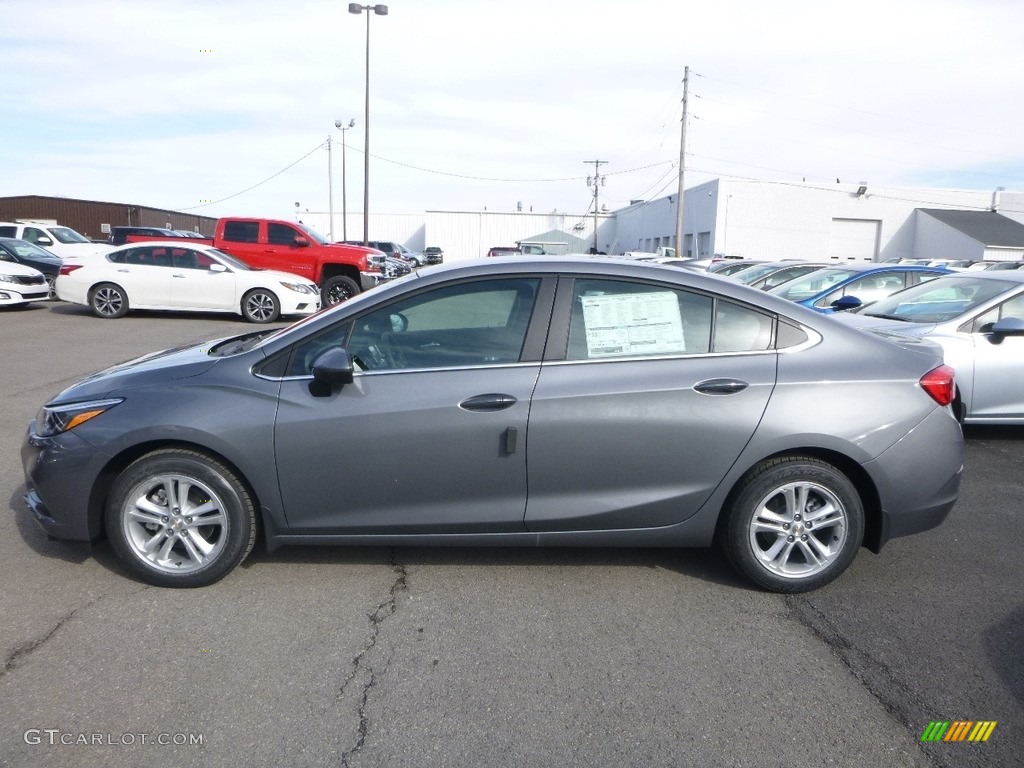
522, 402
977, 317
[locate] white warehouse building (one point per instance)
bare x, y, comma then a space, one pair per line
814, 222
752, 219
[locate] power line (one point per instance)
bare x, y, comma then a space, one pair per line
259, 184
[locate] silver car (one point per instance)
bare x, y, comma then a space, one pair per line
520, 402
977, 317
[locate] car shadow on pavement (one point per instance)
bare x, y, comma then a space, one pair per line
1002, 644
704, 564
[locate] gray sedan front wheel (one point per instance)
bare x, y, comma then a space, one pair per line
794, 524
179, 518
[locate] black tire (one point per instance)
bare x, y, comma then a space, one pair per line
108, 300
260, 306
793, 524
191, 543
338, 289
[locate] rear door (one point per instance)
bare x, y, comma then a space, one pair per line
643, 404
145, 274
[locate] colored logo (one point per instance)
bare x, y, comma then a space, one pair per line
958, 730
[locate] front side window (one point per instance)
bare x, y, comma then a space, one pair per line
982, 323
472, 323
812, 284
613, 319
281, 234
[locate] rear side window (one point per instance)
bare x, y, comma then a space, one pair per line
8, 231
612, 319
242, 231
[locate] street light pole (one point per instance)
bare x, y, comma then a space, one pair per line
344, 204
330, 191
379, 10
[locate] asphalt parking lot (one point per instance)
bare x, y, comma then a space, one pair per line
494, 657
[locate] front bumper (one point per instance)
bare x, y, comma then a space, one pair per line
60, 479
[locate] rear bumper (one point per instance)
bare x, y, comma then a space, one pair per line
918, 478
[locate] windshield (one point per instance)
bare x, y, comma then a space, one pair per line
813, 283
231, 261
27, 249
65, 235
750, 274
313, 234
938, 300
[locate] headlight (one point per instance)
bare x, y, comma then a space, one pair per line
298, 287
55, 419
7, 279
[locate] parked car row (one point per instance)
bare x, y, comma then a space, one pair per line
975, 316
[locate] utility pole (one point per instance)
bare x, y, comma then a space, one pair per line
598, 181
682, 168
330, 191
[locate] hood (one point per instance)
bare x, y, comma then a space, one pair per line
157, 367
14, 268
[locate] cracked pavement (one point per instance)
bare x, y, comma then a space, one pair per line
470, 657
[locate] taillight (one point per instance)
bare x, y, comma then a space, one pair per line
939, 384
67, 269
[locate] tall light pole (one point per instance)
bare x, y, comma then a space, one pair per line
380, 10
344, 205
330, 191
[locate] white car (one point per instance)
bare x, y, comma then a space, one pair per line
169, 276
20, 284
60, 241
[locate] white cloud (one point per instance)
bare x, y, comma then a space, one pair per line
478, 104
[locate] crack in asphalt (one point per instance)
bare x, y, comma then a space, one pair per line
26, 649
874, 674
384, 611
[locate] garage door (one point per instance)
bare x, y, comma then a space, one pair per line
854, 239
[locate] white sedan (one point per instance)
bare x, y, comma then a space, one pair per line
169, 276
20, 284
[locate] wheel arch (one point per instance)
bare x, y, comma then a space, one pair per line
874, 522
117, 464
335, 269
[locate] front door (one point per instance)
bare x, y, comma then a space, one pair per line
430, 435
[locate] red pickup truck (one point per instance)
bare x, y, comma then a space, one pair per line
341, 271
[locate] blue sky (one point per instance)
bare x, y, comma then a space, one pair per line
487, 104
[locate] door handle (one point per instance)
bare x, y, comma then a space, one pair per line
720, 386
488, 402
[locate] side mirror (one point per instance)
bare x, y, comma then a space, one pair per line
333, 366
218, 268
845, 303
44, 241
1009, 326
301, 241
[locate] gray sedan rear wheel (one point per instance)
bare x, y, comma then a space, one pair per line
794, 524
179, 518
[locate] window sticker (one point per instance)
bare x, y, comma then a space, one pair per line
633, 324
